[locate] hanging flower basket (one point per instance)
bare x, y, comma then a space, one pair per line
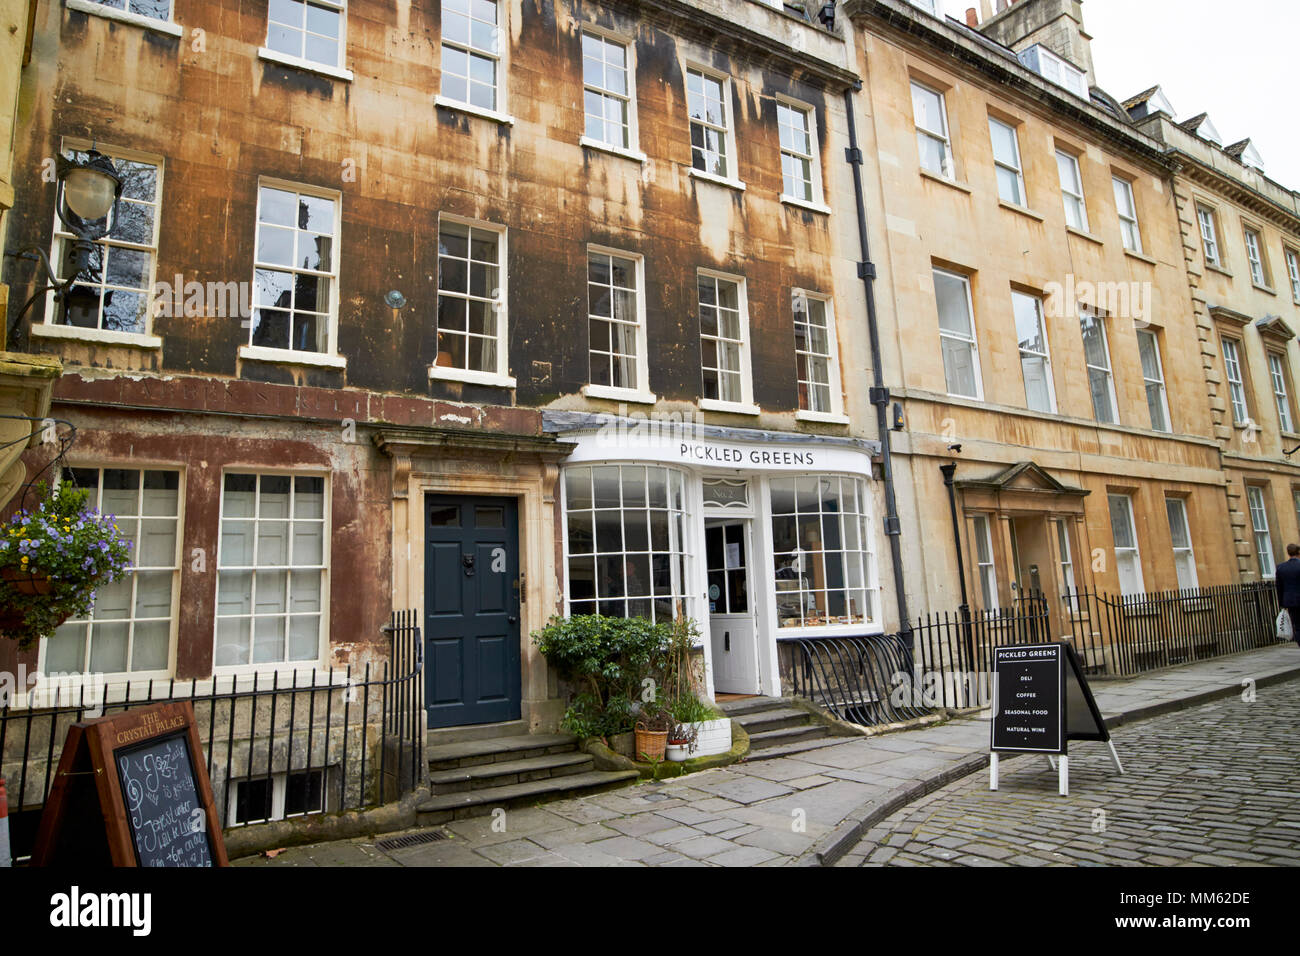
52, 559
24, 582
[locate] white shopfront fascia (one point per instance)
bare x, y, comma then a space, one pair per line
756, 457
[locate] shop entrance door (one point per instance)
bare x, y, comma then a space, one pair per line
732, 627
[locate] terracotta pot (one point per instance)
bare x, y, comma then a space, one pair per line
24, 582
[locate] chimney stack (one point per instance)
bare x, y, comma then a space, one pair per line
972, 18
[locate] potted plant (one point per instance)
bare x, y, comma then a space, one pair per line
710, 731
52, 559
681, 741
652, 728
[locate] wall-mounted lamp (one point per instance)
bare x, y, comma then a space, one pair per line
86, 202
827, 15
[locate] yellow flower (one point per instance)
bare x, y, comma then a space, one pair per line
24, 559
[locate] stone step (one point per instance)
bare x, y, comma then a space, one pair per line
455, 806
771, 738
790, 750
503, 772
734, 708
520, 747
757, 722
439, 736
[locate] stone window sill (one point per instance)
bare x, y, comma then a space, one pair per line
136, 340
830, 418
1021, 210
1264, 288
1084, 235
258, 353
805, 204
634, 154
1141, 257
471, 376
945, 181
297, 62
126, 16
446, 104
633, 395
735, 184
734, 408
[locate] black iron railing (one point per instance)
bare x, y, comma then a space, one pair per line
949, 658
276, 746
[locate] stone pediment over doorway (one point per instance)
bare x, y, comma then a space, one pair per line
1023, 487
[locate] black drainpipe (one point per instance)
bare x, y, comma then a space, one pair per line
879, 394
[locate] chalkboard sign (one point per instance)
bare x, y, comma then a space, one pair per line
1029, 694
143, 770
163, 806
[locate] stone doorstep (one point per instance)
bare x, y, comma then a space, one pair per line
752, 705
500, 772
778, 718
770, 738
443, 807
515, 747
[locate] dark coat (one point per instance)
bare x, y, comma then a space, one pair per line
1288, 583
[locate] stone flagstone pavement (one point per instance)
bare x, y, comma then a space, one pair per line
804, 809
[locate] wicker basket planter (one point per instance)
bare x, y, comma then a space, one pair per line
24, 582
650, 744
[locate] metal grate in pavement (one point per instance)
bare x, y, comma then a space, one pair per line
414, 839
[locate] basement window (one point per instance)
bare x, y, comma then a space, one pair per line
264, 799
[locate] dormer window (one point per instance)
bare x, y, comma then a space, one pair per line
1055, 70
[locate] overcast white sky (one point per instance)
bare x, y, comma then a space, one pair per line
1235, 59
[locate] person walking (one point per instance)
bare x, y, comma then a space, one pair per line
1287, 579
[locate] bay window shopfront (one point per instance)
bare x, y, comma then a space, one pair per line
754, 535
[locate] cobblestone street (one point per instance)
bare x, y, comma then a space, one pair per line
1218, 785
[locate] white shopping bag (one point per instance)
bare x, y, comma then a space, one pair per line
1284, 632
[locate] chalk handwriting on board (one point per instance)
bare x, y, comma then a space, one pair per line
161, 799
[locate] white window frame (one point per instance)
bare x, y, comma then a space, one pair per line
730, 176
836, 411
813, 157
89, 622
942, 136
1066, 558
806, 561
1293, 271
681, 534
1205, 215
1147, 335
499, 56
1184, 554
1055, 70
1262, 536
1135, 552
1277, 372
146, 339
746, 404
972, 341
1099, 318
640, 392
335, 69
1072, 194
632, 148
1126, 205
986, 572
287, 667
500, 377
1016, 167
1236, 382
1254, 240
126, 15
1045, 355
329, 356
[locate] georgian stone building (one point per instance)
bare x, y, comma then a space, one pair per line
1040, 331
404, 305
1241, 243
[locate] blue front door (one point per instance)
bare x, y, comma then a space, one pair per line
471, 600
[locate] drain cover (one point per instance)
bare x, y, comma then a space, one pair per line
414, 839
